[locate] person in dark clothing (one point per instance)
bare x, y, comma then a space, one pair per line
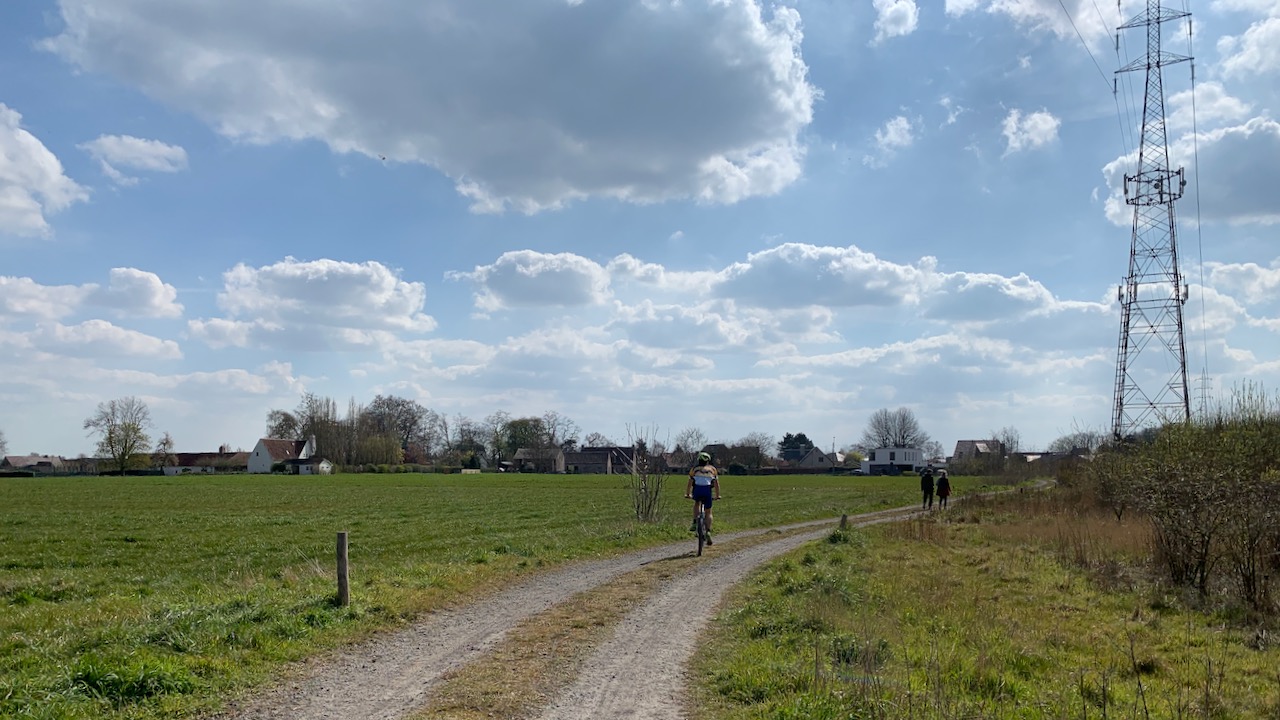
944, 488
926, 488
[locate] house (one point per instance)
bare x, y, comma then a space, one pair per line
308, 466
540, 460
607, 460
816, 459
207, 463
270, 451
35, 463
892, 461
977, 449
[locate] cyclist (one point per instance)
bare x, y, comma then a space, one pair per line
703, 487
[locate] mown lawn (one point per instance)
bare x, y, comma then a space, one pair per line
163, 597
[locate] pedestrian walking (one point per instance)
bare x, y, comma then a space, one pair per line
926, 488
944, 488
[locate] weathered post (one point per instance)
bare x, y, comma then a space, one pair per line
844, 521
344, 587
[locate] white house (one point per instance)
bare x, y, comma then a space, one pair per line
891, 461
270, 451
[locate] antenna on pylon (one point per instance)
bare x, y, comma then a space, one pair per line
1151, 361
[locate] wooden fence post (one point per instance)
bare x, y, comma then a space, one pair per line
844, 521
344, 587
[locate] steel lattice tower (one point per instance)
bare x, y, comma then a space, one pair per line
1151, 363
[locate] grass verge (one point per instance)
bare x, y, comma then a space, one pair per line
994, 611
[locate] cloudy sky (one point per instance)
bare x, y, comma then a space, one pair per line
637, 213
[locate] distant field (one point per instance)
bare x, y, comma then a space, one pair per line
154, 597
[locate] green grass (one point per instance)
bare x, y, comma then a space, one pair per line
163, 597
974, 614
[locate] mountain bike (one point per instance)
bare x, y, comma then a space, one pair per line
700, 525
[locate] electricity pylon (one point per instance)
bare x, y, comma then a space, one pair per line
1151, 363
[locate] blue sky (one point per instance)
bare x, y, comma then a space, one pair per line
652, 213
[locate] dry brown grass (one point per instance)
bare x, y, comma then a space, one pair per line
544, 655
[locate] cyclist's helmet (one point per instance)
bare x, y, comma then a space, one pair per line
704, 458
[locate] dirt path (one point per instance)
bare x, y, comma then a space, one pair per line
390, 676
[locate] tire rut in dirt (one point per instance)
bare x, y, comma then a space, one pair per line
639, 672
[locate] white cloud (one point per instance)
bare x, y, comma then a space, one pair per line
1032, 131
896, 135
895, 18
22, 297
1210, 106
100, 339
954, 110
525, 278
1095, 22
1237, 166
32, 184
1257, 52
796, 275
114, 152
956, 8
527, 106
321, 304
137, 292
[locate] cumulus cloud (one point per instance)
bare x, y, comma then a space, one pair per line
894, 18
114, 152
137, 292
320, 304
526, 106
1238, 158
1094, 22
896, 135
1030, 131
1212, 105
797, 275
100, 339
32, 184
1256, 52
22, 297
525, 278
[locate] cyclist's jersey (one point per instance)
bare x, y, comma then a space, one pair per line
703, 475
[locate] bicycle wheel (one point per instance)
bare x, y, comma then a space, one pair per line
702, 530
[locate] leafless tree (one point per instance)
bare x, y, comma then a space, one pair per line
283, 425
596, 439
759, 447
121, 426
894, 428
647, 474
4, 445
163, 455
1009, 438
688, 442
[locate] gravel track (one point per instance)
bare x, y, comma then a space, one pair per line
393, 674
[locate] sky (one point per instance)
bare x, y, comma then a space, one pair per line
643, 215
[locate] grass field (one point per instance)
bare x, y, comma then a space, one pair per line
1020, 607
162, 597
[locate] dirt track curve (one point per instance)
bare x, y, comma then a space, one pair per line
392, 675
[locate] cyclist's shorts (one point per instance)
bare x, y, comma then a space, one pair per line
703, 493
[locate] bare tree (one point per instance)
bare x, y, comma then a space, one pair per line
647, 474
560, 430
121, 426
760, 447
4, 445
282, 424
933, 450
597, 440
894, 428
1009, 438
163, 455
688, 442
1086, 440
